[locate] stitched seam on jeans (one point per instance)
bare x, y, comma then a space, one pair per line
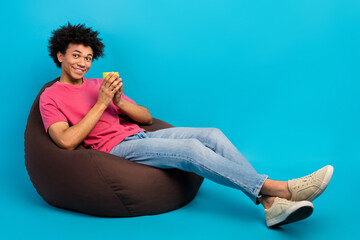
177, 156
207, 144
258, 187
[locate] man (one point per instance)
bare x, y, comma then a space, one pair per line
76, 110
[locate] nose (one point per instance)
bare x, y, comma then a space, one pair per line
81, 62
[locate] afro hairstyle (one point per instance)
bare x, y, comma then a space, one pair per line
77, 34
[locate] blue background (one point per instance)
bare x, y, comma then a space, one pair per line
279, 78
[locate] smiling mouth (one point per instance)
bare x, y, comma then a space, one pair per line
77, 70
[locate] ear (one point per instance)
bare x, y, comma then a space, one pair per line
60, 57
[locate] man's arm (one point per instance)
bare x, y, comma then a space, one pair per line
136, 112
68, 137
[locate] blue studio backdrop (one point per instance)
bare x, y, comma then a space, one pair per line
279, 78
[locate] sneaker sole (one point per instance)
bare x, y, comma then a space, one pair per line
294, 214
324, 184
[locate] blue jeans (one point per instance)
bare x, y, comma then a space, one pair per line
204, 151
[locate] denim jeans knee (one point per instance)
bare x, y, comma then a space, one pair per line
206, 152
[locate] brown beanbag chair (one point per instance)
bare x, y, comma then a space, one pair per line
99, 183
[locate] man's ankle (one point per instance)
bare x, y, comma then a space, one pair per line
266, 201
285, 192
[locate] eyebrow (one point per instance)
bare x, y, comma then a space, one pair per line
81, 52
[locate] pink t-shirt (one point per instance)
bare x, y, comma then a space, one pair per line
70, 103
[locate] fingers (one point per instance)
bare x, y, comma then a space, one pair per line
115, 85
111, 87
110, 79
118, 87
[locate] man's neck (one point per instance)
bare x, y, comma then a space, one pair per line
67, 80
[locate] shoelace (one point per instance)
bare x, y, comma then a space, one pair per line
305, 181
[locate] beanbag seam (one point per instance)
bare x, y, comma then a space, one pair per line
109, 185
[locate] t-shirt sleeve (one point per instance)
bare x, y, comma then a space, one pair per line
50, 112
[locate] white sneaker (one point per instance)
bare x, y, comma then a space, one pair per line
284, 211
311, 186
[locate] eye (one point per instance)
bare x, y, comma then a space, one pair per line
76, 55
88, 58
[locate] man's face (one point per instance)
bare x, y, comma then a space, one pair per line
76, 61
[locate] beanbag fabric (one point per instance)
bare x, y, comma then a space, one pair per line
99, 183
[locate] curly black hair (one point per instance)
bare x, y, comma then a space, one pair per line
78, 34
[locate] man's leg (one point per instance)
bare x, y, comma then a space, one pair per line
212, 138
193, 156
215, 140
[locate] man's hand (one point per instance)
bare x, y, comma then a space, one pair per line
109, 89
117, 96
